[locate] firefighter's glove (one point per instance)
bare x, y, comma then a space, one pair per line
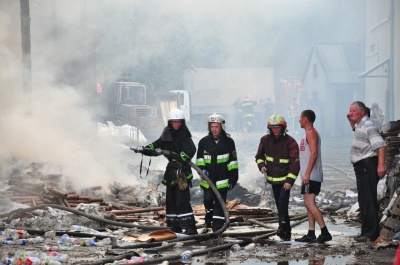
182, 182
138, 149
231, 186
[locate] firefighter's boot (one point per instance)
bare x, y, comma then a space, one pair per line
284, 231
191, 230
287, 230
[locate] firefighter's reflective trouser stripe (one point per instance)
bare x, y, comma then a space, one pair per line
214, 212
179, 212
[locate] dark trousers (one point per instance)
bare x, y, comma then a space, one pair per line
367, 183
282, 204
214, 213
179, 212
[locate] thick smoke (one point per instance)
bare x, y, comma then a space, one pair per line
55, 123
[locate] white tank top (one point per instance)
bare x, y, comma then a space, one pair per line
316, 173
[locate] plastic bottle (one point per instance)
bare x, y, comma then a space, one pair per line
104, 242
63, 258
22, 233
178, 245
235, 247
36, 240
49, 261
53, 262
10, 234
250, 246
144, 256
186, 256
32, 261
135, 259
50, 234
4, 259
50, 248
15, 242
78, 228
88, 241
66, 240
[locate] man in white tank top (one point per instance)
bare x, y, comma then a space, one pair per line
311, 177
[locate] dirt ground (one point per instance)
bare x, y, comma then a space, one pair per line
343, 249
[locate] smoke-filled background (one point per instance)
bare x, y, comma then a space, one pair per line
76, 44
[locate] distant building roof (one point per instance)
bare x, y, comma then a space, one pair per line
342, 63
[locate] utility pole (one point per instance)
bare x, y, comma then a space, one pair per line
26, 49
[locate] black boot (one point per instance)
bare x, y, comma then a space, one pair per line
191, 230
287, 236
280, 232
285, 231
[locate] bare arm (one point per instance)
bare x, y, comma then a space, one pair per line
381, 162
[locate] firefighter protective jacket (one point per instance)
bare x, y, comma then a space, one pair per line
220, 160
179, 142
280, 157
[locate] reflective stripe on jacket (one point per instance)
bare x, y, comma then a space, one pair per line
219, 160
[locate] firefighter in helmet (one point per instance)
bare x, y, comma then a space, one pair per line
216, 156
246, 109
278, 159
176, 138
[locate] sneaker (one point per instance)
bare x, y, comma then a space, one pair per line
306, 238
323, 238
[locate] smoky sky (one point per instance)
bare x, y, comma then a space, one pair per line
56, 124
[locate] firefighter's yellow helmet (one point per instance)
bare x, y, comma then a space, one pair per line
276, 120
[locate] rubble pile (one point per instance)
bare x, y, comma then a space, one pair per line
390, 203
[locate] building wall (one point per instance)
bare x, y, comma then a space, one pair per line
378, 39
315, 95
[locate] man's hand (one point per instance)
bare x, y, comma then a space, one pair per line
305, 179
287, 186
231, 186
381, 171
263, 170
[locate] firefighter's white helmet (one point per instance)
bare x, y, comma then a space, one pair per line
216, 118
176, 114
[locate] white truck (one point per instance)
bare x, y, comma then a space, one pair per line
216, 90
